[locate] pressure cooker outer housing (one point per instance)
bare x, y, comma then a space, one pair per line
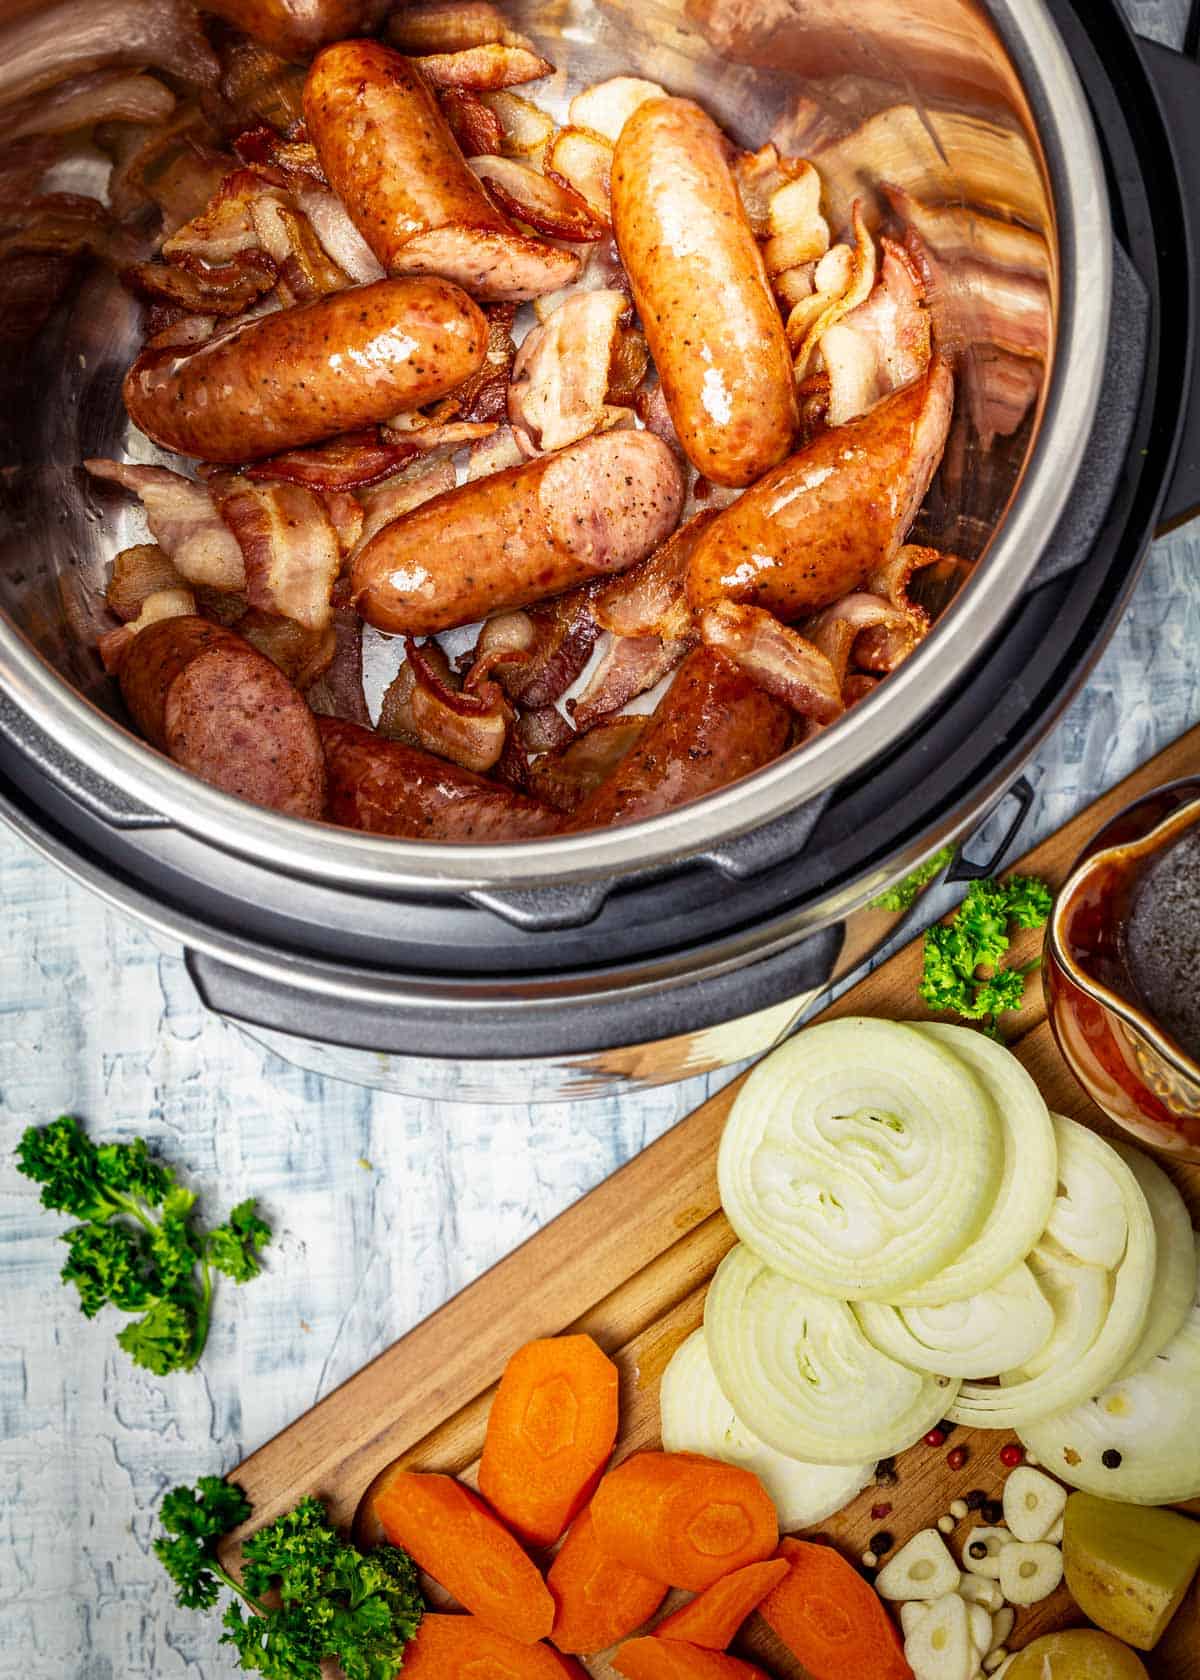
640, 934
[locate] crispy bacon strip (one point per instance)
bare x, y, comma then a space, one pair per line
883, 344
425, 708
338, 691
631, 666
302, 655
258, 85
484, 68
566, 777
448, 26
560, 378
178, 167
227, 289
778, 659
484, 397
400, 495
866, 630
650, 599
350, 462
583, 161
474, 125
291, 549
550, 206
163, 603
183, 521
138, 573
555, 639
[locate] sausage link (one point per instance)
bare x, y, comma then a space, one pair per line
701, 288
225, 712
388, 153
521, 535
712, 727
818, 526
296, 28
384, 787
334, 365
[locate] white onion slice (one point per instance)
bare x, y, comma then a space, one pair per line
696, 1417
1084, 1160
1152, 1419
1079, 1297
1002, 1326
1028, 1175
860, 1158
798, 1371
1175, 1270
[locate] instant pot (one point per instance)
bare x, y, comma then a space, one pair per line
1050, 164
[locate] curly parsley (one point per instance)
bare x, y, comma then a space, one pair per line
964, 967
333, 1602
140, 1248
905, 893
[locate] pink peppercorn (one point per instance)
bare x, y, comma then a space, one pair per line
878, 1512
935, 1438
1012, 1455
957, 1457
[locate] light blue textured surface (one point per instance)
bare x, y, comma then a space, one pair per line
383, 1206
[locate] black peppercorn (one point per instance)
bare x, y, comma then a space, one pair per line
1111, 1459
885, 1473
992, 1512
946, 1427
975, 1500
977, 1549
881, 1542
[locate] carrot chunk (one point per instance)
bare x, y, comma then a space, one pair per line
550, 1434
831, 1619
597, 1601
464, 1648
683, 1519
673, 1659
713, 1619
453, 1536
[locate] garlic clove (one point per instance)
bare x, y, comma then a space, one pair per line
921, 1569
1029, 1571
1033, 1503
994, 1541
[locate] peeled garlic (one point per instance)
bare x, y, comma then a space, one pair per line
910, 1614
921, 1569
996, 1540
1029, 1572
1032, 1503
979, 1629
1002, 1626
977, 1589
939, 1647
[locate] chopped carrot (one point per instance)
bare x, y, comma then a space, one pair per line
453, 1536
683, 1519
830, 1619
674, 1659
597, 1601
464, 1648
550, 1434
713, 1619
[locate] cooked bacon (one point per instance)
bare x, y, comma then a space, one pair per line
632, 665
560, 379
484, 68
759, 176
601, 270
895, 580
138, 573
554, 637
543, 729
259, 86
651, 407
552, 207
494, 455
177, 167
400, 495
46, 45
583, 161
263, 146
350, 462
484, 397
449, 26
857, 686
424, 707
474, 125
102, 96
291, 549
163, 603
182, 520
302, 655
338, 692
224, 289
346, 516
650, 599
225, 227
844, 278
627, 368
605, 107
429, 436
339, 237
797, 232
222, 606
305, 269
866, 630
883, 344
526, 129
779, 659
566, 777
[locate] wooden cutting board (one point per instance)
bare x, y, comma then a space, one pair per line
629, 1264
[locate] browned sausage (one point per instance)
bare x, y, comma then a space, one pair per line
225, 712
712, 726
701, 288
385, 787
296, 28
818, 526
334, 365
520, 536
388, 153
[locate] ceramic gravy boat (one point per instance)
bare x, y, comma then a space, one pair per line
1118, 1033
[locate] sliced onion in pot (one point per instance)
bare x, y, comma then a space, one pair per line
799, 1373
860, 1159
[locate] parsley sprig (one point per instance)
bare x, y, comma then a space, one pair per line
140, 1247
904, 894
964, 967
333, 1602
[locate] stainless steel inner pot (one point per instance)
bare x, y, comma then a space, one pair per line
976, 112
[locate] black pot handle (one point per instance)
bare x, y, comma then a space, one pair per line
1176, 77
973, 869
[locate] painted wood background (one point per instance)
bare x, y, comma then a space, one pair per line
383, 1206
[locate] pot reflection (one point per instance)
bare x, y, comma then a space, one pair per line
1120, 967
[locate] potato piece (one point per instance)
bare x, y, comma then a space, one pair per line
1128, 1567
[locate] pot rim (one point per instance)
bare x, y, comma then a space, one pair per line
1184, 817
1079, 199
